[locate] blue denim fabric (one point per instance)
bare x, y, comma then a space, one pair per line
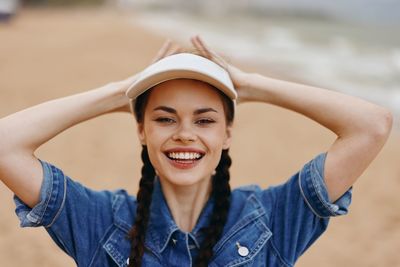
275, 225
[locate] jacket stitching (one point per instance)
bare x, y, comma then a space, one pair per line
272, 240
39, 219
62, 204
100, 245
260, 243
278, 255
318, 195
306, 200
242, 223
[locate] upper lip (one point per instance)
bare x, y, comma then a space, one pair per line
185, 149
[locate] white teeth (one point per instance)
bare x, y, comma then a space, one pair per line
184, 155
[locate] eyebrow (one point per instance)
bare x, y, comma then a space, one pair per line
196, 112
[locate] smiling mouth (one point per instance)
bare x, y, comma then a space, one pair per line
184, 160
184, 156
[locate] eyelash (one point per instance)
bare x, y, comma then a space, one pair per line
205, 121
169, 120
164, 120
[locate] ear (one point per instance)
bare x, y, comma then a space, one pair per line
228, 138
141, 134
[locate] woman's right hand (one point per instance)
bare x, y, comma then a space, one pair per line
24, 131
167, 49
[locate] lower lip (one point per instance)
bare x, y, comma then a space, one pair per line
188, 164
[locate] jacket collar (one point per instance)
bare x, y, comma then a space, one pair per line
162, 226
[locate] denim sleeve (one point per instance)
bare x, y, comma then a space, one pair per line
301, 210
314, 191
75, 217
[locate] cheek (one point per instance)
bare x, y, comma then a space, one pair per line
155, 134
155, 138
215, 138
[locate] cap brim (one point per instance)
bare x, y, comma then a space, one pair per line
143, 85
183, 66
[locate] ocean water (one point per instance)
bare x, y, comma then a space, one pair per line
361, 59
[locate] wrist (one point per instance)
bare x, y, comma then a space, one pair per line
255, 88
117, 100
244, 80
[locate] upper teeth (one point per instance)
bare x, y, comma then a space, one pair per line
184, 155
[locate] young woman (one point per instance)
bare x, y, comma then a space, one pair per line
185, 213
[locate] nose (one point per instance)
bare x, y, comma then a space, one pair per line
185, 133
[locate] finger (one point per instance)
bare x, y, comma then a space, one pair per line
207, 52
200, 46
206, 48
180, 50
163, 50
173, 50
203, 44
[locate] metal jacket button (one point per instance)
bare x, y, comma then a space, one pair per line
243, 251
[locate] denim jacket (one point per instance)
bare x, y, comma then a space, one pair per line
271, 227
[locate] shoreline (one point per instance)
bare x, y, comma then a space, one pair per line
344, 57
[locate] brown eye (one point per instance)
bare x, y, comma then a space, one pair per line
164, 120
204, 121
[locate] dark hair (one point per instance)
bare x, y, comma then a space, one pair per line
220, 192
144, 195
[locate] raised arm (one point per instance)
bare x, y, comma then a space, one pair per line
23, 132
361, 127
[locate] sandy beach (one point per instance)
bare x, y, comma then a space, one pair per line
51, 53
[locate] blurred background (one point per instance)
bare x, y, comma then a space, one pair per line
351, 46
54, 48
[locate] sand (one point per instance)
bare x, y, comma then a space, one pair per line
49, 53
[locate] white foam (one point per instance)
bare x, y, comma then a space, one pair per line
331, 59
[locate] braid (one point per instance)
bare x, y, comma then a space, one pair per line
221, 193
144, 195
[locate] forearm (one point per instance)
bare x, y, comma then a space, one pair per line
362, 127
28, 129
343, 114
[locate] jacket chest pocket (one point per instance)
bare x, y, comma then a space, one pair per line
243, 245
118, 247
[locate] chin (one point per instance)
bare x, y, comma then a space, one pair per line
187, 179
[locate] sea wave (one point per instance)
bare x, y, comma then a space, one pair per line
361, 61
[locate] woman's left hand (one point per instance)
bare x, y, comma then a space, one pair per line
239, 78
360, 126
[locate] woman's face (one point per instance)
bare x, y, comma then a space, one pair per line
185, 131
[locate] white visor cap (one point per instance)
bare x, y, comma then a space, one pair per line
183, 66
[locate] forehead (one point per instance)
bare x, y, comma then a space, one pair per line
185, 93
